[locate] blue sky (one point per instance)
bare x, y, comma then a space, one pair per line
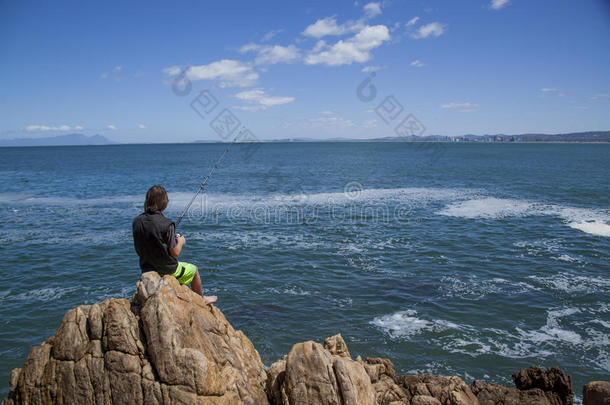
292, 69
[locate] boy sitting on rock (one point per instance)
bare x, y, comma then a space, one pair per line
159, 246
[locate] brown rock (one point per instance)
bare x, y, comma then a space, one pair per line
276, 375
354, 383
556, 384
446, 390
424, 400
313, 375
336, 346
165, 347
382, 375
493, 394
310, 378
596, 393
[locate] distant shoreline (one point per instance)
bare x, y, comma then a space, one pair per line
595, 137
296, 142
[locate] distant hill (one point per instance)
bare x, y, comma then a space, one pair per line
591, 136
60, 140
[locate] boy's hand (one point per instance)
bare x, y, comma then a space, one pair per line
181, 240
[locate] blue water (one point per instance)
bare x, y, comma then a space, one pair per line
454, 259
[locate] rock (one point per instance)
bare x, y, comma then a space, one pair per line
166, 347
336, 346
446, 390
424, 400
314, 375
596, 393
276, 375
163, 347
382, 375
354, 383
310, 378
556, 384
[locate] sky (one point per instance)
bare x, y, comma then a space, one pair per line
208, 70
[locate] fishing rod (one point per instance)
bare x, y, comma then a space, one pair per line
207, 178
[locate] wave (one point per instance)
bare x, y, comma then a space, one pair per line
591, 221
180, 199
472, 287
407, 323
462, 203
566, 330
574, 284
30, 199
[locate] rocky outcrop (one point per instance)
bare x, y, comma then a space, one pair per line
312, 374
596, 393
166, 347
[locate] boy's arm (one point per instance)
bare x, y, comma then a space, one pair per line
175, 251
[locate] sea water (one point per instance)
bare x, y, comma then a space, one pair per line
473, 260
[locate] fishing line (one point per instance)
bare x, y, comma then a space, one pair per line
207, 178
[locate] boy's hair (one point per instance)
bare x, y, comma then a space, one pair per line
156, 199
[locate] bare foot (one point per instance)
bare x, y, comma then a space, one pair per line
210, 299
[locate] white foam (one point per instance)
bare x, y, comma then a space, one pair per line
29, 199
488, 208
221, 201
591, 221
567, 258
472, 287
553, 331
41, 294
574, 284
593, 227
406, 323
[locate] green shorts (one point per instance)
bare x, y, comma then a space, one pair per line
185, 272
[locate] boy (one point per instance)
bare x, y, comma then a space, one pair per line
159, 246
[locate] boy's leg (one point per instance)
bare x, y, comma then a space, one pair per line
198, 288
187, 273
196, 283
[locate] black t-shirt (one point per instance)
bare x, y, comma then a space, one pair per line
153, 235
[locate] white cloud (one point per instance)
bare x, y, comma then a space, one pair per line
354, 49
44, 128
329, 26
372, 9
111, 127
172, 70
434, 29
114, 73
548, 89
260, 99
321, 44
327, 122
270, 35
371, 69
141, 126
600, 95
498, 4
412, 21
230, 73
277, 54
249, 48
272, 54
249, 108
466, 106
370, 124
417, 63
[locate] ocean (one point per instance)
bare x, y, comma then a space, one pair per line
461, 259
